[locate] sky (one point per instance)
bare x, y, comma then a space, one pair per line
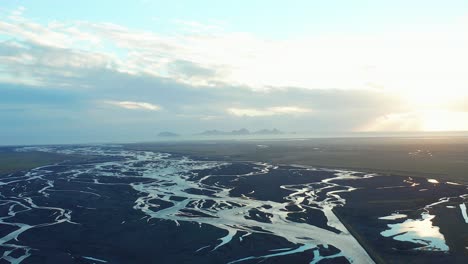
109, 71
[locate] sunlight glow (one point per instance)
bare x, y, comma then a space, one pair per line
423, 120
444, 121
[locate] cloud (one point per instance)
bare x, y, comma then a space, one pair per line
405, 63
135, 105
18, 12
193, 73
270, 111
28, 63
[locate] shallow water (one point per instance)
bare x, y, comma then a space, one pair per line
165, 177
463, 212
419, 231
393, 217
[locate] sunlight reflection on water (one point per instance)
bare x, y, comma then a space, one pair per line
463, 211
420, 231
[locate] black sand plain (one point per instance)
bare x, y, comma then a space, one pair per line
109, 228
432, 156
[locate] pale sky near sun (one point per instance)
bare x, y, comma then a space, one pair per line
187, 66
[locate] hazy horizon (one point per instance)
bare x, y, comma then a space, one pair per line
285, 136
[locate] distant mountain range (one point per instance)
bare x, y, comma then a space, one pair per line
241, 132
167, 134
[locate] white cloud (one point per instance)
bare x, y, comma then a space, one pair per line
407, 63
270, 111
135, 105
